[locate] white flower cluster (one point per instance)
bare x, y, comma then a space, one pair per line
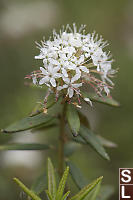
71, 59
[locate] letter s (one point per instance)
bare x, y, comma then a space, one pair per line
125, 173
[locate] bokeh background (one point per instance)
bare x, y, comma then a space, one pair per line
21, 24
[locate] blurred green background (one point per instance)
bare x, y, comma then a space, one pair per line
24, 22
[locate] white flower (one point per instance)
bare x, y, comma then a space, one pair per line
49, 75
69, 83
73, 58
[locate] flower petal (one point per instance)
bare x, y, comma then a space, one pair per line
50, 69
76, 85
66, 80
56, 69
77, 76
84, 69
53, 82
41, 56
64, 72
44, 80
57, 75
34, 80
43, 71
62, 87
70, 92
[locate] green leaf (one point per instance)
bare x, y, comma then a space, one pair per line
79, 139
65, 196
34, 146
105, 192
37, 110
86, 190
51, 101
106, 142
77, 176
28, 123
70, 148
62, 184
93, 141
39, 185
94, 193
104, 99
83, 119
73, 119
51, 179
26, 190
50, 124
48, 195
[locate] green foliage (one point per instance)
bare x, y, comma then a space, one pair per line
73, 119
62, 183
93, 194
104, 99
24, 147
81, 135
30, 193
39, 184
58, 194
51, 179
77, 175
93, 141
29, 123
87, 189
106, 143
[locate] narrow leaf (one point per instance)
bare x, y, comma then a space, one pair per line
26, 190
79, 139
28, 123
65, 196
94, 193
24, 147
50, 101
49, 195
50, 124
37, 110
39, 185
73, 119
77, 176
85, 191
93, 141
104, 99
51, 179
62, 184
84, 120
106, 143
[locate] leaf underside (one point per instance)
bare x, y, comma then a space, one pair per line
28, 123
93, 141
34, 146
73, 119
76, 174
104, 99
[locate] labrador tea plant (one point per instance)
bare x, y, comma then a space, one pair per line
76, 71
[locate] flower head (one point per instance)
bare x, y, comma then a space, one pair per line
71, 59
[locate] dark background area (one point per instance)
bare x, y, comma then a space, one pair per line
24, 22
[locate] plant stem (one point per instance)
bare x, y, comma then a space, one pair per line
62, 140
